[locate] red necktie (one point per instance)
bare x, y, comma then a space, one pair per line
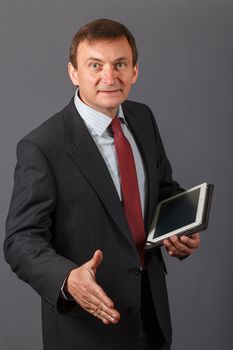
129, 187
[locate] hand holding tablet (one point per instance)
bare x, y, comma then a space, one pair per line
182, 246
182, 214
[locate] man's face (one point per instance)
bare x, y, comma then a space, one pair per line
104, 73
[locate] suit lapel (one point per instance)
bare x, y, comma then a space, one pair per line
89, 160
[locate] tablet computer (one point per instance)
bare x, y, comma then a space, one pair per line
181, 214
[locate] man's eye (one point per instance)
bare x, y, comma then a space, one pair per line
95, 66
120, 65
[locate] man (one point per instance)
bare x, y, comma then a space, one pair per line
87, 183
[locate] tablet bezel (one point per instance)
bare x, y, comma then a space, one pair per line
179, 231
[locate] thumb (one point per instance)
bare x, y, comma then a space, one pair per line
96, 259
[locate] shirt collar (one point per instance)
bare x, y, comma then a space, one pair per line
96, 121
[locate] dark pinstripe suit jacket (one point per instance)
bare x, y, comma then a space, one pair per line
64, 207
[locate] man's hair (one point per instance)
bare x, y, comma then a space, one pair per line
102, 28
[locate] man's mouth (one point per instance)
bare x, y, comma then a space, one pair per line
109, 91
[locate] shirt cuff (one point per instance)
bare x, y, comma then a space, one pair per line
64, 293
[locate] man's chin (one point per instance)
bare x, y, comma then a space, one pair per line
108, 109
111, 101
111, 107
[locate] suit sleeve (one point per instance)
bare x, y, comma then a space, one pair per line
28, 245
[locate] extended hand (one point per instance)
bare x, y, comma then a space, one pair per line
81, 284
182, 246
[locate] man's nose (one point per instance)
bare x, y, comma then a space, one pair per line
108, 75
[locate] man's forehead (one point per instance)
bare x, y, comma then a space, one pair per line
102, 45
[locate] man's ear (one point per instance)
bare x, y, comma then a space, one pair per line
135, 73
73, 74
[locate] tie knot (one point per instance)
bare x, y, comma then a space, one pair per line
116, 125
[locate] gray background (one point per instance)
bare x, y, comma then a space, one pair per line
186, 70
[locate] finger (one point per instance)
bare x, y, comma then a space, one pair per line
94, 262
101, 311
176, 248
169, 246
97, 259
192, 241
179, 246
167, 243
105, 320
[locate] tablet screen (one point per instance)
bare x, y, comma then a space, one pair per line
177, 213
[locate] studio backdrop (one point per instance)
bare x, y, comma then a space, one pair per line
185, 76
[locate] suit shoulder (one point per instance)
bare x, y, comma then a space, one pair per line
133, 106
134, 112
50, 132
